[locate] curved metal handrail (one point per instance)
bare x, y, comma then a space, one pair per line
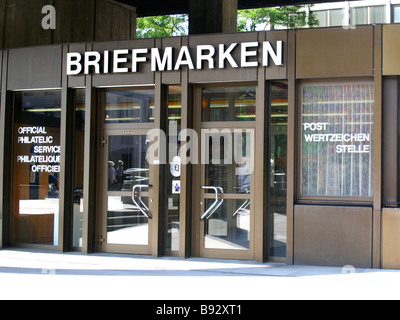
216, 204
143, 211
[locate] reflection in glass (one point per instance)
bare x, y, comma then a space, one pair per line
130, 106
278, 170
125, 223
36, 167
127, 164
378, 14
230, 161
128, 180
229, 104
229, 226
173, 171
79, 152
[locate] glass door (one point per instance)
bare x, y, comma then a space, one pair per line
125, 174
227, 192
225, 175
127, 207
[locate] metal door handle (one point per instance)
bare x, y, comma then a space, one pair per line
216, 204
145, 210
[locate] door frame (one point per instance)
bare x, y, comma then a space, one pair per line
198, 174
154, 244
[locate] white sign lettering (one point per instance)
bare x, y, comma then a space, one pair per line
45, 157
125, 60
337, 137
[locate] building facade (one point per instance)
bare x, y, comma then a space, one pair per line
353, 13
268, 146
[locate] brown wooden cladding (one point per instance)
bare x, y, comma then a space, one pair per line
76, 21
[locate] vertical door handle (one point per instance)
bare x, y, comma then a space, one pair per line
216, 204
144, 210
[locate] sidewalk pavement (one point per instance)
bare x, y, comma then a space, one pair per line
42, 275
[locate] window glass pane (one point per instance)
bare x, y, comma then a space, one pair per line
278, 162
128, 178
229, 104
396, 14
336, 17
174, 170
229, 160
229, 226
130, 106
337, 140
322, 18
378, 14
36, 168
79, 152
359, 15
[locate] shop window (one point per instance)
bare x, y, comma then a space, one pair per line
336, 17
229, 104
396, 14
322, 17
129, 106
337, 140
36, 167
378, 14
79, 153
359, 15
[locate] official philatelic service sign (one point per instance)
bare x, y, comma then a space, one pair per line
172, 59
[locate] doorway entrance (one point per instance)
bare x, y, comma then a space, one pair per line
126, 177
224, 179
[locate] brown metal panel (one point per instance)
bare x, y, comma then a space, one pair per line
391, 186
260, 176
156, 226
229, 73
291, 143
144, 74
35, 68
171, 77
278, 72
390, 238
186, 205
377, 201
335, 52
79, 80
391, 49
333, 236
